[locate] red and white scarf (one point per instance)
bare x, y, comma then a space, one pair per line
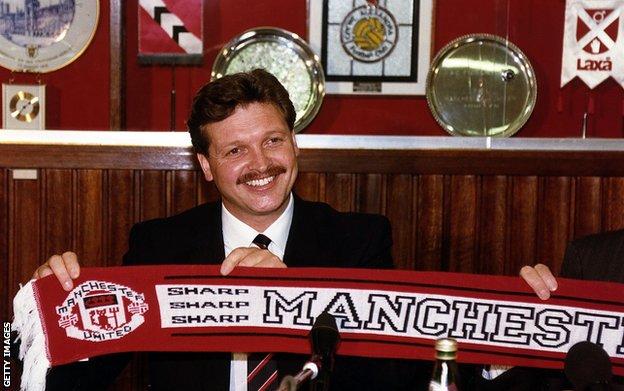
380, 313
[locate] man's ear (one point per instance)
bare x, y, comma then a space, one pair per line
294, 140
205, 166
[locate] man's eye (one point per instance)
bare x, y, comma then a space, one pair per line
233, 151
274, 140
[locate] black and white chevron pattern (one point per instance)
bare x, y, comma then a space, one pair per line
172, 25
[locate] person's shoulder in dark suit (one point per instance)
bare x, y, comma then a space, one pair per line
176, 238
340, 239
597, 257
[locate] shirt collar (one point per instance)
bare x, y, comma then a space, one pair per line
238, 234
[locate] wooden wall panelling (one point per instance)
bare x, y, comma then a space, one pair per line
120, 207
587, 208
339, 191
554, 223
448, 214
493, 225
521, 239
399, 211
370, 194
432, 162
25, 230
206, 191
613, 207
463, 223
183, 190
136, 195
153, 194
428, 218
308, 186
89, 212
57, 211
4, 244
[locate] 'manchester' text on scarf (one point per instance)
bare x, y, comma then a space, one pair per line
380, 313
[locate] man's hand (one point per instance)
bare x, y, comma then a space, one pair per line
251, 257
65, 267
540, 278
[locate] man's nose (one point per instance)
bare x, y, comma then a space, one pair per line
259, 160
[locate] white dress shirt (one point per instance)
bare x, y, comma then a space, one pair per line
238, 234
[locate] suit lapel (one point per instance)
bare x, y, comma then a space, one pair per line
208, 242
304, 246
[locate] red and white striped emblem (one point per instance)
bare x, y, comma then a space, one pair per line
168, 27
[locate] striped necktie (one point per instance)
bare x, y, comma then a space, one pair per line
262, 241
261, 369
262, 372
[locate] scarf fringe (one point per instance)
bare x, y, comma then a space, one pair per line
32, 351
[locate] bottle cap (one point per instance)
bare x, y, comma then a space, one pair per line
446, 349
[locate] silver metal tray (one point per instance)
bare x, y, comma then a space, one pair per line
286, 56
481, 85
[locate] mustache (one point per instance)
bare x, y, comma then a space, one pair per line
272, 170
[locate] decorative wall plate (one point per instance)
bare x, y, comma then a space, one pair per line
37, 36
285, 55
481, 85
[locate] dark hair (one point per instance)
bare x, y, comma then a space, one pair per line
218, 99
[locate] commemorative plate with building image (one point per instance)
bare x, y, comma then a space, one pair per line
45, 35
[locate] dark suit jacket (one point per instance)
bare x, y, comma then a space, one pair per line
598, 257
319, 237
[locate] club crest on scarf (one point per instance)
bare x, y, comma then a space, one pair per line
593, 48
100, 311
396, 314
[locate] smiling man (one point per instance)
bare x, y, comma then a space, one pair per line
252, 158
241, 127
242, 130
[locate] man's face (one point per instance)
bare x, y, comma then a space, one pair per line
252, 159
